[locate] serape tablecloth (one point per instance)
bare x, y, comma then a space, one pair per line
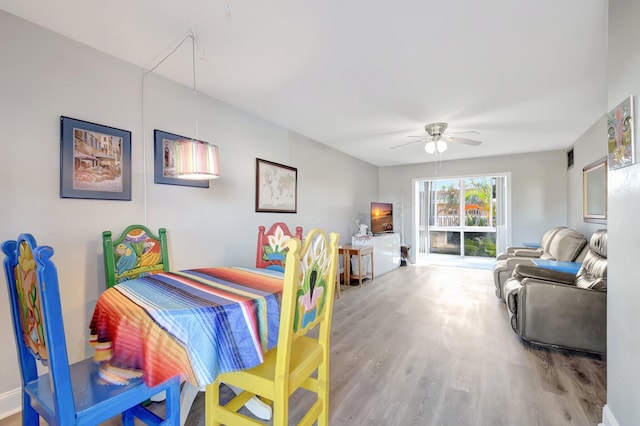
195, 323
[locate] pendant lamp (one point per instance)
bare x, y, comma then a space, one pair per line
196, 159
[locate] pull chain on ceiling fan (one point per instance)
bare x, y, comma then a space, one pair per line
438, 139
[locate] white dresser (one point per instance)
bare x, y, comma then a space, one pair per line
386, 251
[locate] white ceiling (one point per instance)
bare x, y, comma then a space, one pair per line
362, 75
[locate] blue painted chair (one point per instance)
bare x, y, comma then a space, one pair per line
66, 394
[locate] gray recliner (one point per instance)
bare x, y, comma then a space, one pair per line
522, 251
565, 245
559, 309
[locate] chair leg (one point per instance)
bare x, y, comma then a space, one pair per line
281, 410
172, 406
128, 419
323, 392
211, 404
29, 415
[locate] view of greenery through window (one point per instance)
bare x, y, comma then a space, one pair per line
469, 219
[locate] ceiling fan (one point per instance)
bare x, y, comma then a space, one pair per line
437, 139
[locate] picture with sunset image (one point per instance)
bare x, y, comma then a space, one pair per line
381, 217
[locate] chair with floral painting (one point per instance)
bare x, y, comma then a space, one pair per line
272, 245
136, 252
53, 390
301, 358
271, 251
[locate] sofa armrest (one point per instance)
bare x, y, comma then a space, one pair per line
512, 262
520, 252
527, 271
561, 315
503, 271
527, 252
511, 249
508, 253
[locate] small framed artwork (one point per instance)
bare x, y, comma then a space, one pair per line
165, 161
95, 161
276, 187
620, 132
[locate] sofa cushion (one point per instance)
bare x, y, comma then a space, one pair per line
548, 236
593, 273
566, 246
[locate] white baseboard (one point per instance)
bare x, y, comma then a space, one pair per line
608, 419
10, 403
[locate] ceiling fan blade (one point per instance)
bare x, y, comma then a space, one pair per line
463, 131
465, 141
406, 143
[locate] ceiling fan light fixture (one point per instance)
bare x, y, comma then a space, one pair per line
438, 141
430, 147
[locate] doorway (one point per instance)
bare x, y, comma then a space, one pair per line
461, 216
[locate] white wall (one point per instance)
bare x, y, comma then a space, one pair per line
43, 76
623, 302
538, 188
588, 148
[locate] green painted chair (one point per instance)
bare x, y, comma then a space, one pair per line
135, 253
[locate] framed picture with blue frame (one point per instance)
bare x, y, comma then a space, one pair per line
95, 161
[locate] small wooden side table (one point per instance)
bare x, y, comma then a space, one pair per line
349, 250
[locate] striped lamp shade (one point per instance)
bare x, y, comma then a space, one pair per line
196, 160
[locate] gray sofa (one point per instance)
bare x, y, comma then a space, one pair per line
523, 251
564, 244
559, 309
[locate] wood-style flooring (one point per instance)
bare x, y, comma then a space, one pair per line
431, 345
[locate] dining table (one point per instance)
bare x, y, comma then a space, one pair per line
195, 323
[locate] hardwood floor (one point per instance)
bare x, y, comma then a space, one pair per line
431, 345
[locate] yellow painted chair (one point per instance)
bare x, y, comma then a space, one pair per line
136, 252
307, 303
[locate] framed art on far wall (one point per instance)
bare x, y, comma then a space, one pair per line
276, 187
594, 191
95, 161
164, 161
620, 132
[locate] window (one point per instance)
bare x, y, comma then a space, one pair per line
458, 216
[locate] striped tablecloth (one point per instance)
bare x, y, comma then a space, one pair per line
195, 323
